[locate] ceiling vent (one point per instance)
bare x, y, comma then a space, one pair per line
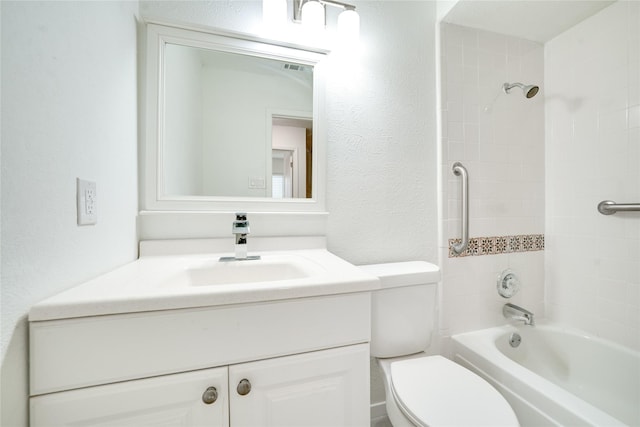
295, 67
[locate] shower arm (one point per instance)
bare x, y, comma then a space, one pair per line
460, 170
508, 86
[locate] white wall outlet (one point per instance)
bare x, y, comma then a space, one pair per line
87, 202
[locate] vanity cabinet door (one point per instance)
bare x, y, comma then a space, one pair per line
322, 388
170, 400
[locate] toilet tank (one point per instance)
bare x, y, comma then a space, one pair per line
403, 310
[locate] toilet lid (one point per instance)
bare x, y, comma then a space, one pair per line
434, 391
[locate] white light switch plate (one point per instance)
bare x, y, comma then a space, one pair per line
87, 202
257, 183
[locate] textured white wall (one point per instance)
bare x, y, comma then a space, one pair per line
500, 140
382, 158
592, 73
68, 110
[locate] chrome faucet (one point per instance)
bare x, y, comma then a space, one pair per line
514, 312
241, 230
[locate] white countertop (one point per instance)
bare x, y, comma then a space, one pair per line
159, 282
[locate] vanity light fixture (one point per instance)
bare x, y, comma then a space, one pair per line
312, 14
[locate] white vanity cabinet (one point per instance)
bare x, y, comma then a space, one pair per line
323, 388
297, 362
170, 400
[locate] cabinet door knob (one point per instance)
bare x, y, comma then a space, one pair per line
244, 387
210, 395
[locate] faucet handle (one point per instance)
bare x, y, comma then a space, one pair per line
240, 227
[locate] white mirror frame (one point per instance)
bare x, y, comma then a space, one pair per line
152, 199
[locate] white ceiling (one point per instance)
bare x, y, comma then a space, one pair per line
538, 20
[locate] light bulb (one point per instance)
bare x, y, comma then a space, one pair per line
349, 25
313, 15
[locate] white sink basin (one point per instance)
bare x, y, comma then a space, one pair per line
166, 282
266, 269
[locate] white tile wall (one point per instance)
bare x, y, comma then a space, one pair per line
500, 139
592, 77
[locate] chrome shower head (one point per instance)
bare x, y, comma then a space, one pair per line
529, 91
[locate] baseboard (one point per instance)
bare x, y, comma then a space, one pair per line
378, 410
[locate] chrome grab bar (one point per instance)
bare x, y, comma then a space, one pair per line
459, 170
607, 207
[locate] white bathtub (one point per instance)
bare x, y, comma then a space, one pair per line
556, 376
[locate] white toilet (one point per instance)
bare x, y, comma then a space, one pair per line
424, 390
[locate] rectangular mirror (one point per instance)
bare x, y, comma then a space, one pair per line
233, 122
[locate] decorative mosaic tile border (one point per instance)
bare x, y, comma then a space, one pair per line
499, 245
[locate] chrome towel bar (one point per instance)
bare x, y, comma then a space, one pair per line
459, 170
607, 207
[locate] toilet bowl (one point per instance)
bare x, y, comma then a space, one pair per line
424, 390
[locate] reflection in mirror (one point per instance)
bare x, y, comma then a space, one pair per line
235, 125
292, 152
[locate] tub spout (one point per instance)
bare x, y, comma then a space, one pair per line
514, 312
